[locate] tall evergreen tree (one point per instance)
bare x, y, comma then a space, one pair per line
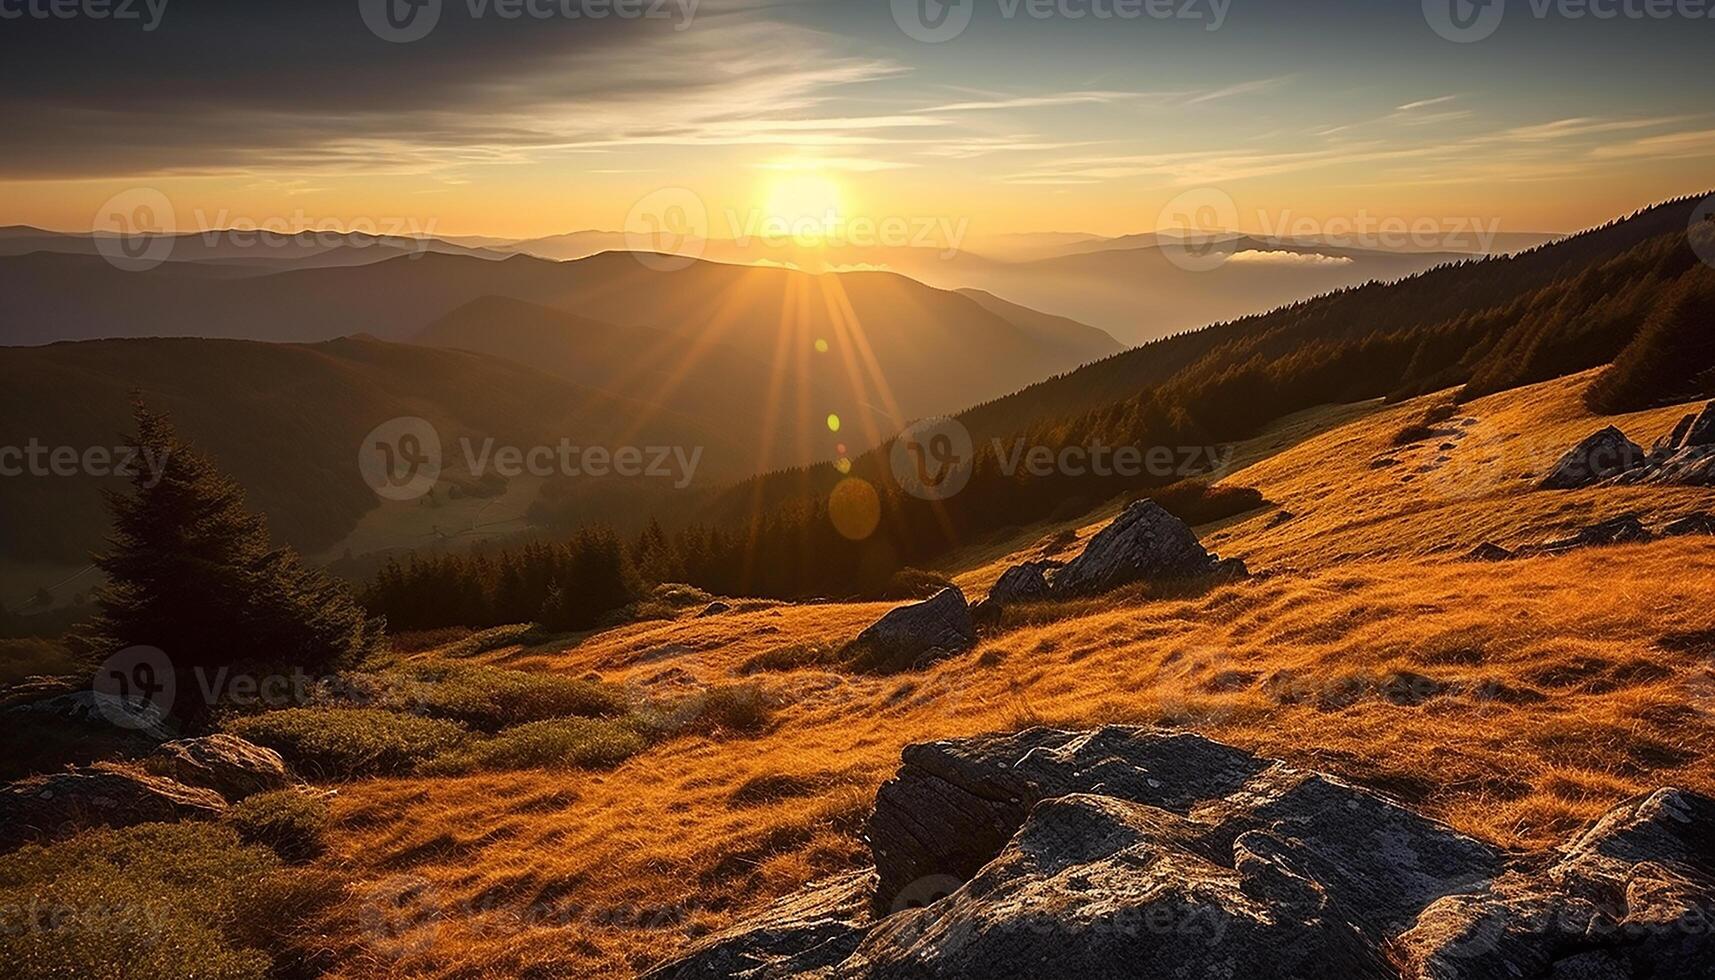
192, 572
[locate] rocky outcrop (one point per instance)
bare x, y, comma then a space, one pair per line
1634, 896
915, 636
1625, 529
1143, 544
1701, 430
801, 935
96, 708
1683, 457
1019, 584
229, 765
1134, 853
1606, 454
45, 808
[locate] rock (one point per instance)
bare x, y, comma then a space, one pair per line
715, 609
227, 764
38, 688
1606, 454
1145, 543
1633, 896
1690, 524
1675, 440
1625, 529
45, 808
96, 708
914, 636
1127, 852
1093, 886
811, 930
1701, 431
1024, 583
1488, 551
1693, 466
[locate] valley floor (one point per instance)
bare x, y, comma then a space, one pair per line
1514, 700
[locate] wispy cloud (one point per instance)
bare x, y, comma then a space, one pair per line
1039, 101
1425, 103
1242, 88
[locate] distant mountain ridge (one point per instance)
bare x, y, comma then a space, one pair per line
877, 347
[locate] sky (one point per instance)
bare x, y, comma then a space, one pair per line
1032, 115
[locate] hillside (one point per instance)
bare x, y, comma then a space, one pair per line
893, 343
288, 420
1514, 700
1491, 325
1128, 287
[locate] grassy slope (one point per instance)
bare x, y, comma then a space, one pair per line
1571, 682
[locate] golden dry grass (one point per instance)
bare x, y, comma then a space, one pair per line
1514, 700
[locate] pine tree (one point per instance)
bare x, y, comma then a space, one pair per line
1671, 357
192, 572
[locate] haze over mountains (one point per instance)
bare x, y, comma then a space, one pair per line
1133, 287
744, 361
1130, 286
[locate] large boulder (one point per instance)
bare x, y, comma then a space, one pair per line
96, 708
1701, 430
1602, 456
45, 808
1024, 583
953, 805
807, 931
1145, 543
1633, 896
229, 765
1094, 886
915, 636
1128, 853
1019, 584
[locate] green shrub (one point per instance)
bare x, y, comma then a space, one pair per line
154, 901
289, 821
795, 657
487, 698
349, 742
1196, 502
743, 709
491, 639
564, 743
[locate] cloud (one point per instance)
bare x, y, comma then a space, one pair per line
1314, 259
303, 87
1242, 88
1425, 103
1038, 101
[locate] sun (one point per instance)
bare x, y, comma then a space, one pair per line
809, 205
